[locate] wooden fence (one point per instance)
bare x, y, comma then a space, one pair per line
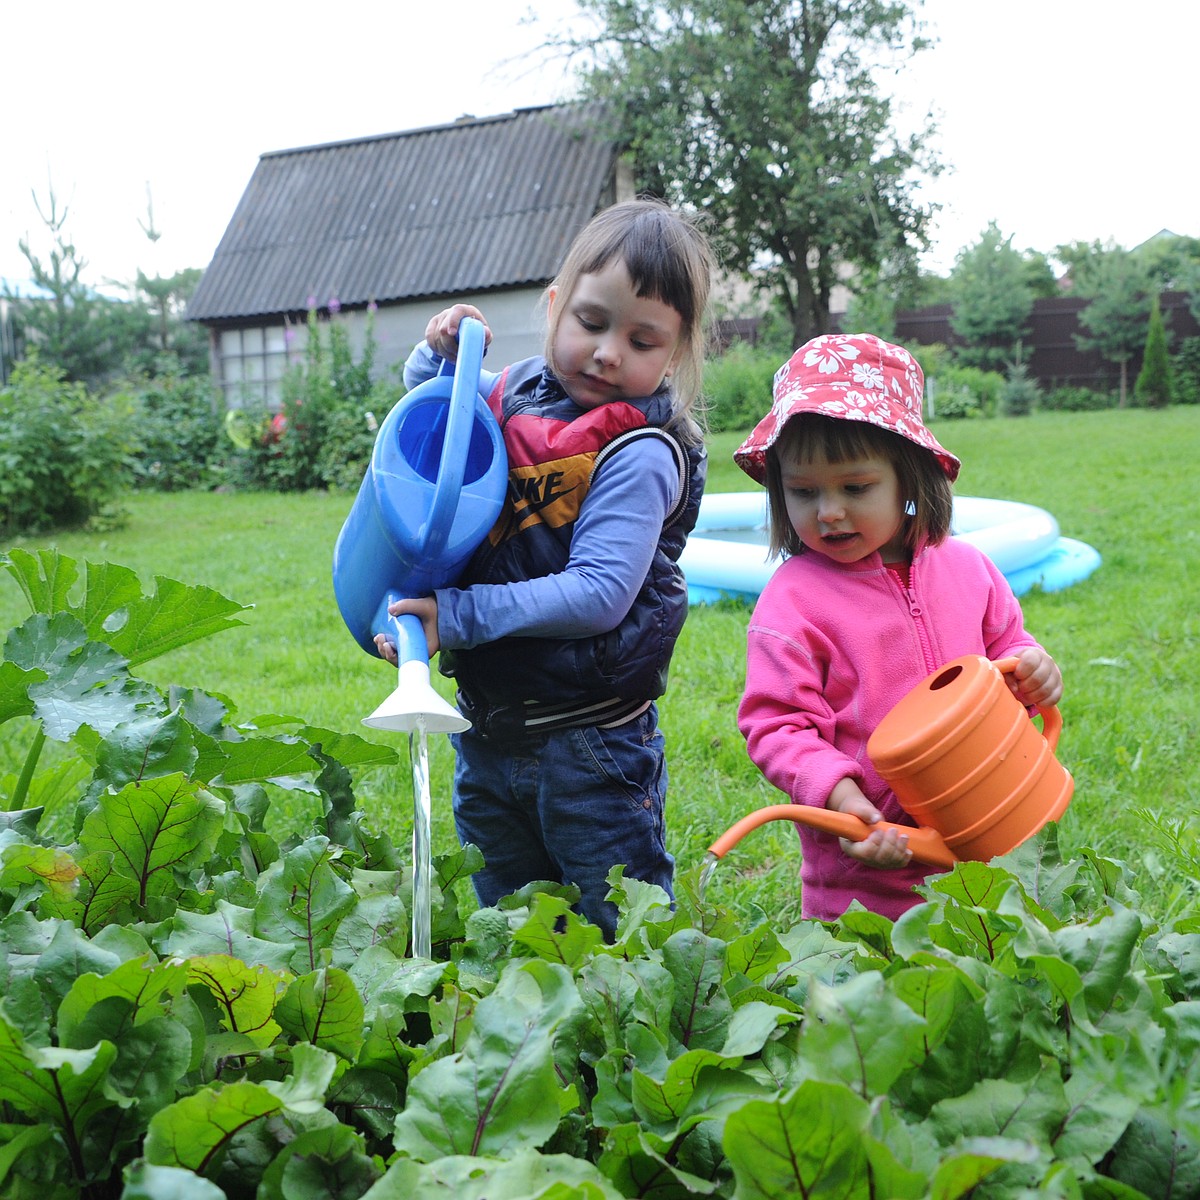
1054, 358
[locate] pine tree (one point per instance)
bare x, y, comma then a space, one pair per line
1153, 387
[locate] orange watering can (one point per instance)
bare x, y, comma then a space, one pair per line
966, 763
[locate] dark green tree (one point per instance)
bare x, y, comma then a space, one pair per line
62, 317
1169, 259
1118, 290
1040, 276
766, 115
166, 298
1153, 387
1189, 282
992, 299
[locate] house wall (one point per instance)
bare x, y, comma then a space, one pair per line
249, 360
516, 319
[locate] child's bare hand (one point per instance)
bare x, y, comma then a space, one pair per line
1036, 679
885, 848
442, 331
386, 648
425, 609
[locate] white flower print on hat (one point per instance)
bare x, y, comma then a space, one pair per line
853, 377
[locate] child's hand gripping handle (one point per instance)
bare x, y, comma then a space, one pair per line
1052, 721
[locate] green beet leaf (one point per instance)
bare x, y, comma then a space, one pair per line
1160, 1152
498, 1094
329, 1162
101, 894
144, 1181
195, 1129
553, 932
525, 1175
302, 899
151, 744
806, 1142
861, 1034
619, 993
323, 1007
246, 994
148, 989
700, 1009
153, 829
662, 1103
641, 1164
228, 929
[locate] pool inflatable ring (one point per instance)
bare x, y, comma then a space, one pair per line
726, 554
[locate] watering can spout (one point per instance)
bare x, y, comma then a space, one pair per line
414, 703
926, 844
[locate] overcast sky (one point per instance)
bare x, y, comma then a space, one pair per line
1062, 120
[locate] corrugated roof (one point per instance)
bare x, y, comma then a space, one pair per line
480, 204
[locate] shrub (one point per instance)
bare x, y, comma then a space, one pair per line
934, 359
950, 403
956, 391
65, 457
1185, 370
1019, 395
737, 386
181, 436
1076, 399
323, 435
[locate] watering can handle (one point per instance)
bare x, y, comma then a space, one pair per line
1052, 721
457, 442
926, 844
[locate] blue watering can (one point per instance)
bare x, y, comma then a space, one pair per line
434, 487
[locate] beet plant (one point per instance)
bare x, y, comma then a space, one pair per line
194, 1008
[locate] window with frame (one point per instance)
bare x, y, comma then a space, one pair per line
253, 363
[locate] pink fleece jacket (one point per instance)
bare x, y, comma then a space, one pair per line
830, 650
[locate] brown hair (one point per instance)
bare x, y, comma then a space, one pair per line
923, 482
669, 260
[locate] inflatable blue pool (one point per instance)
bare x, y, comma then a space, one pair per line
726, 555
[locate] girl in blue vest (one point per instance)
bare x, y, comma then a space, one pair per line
560, 631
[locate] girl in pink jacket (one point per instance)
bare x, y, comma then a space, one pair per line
874, 596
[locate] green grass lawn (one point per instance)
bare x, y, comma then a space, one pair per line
1126, 639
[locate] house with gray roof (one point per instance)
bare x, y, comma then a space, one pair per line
395, 227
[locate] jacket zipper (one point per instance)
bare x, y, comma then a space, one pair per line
917, 613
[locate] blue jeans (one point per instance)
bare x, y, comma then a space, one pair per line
566, 807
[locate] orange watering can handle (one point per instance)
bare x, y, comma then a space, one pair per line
1052, 721
926, 844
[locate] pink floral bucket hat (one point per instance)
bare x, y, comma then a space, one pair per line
853, 377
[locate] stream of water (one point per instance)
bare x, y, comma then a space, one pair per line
422, 854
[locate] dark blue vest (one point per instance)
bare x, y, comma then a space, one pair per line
554, 451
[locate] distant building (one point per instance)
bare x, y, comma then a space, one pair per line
398, 226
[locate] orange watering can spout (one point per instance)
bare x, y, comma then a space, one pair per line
926, 844
966, 763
